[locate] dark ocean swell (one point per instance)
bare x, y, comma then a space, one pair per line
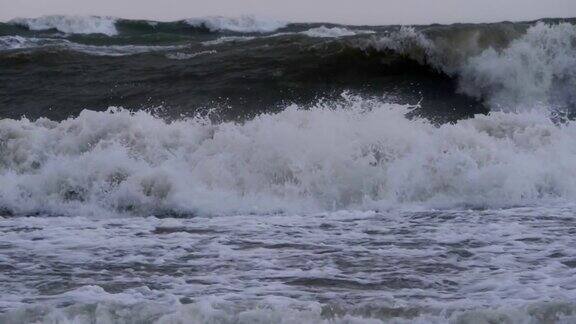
243, 67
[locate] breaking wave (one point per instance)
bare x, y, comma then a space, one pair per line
108, 25
537, 69
356, 153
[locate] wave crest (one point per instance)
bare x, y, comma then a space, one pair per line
71, 24
333, 32
242, 24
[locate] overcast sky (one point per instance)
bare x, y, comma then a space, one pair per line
342, 11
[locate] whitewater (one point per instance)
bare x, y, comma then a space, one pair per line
246, 170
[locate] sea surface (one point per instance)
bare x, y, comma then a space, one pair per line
247, 170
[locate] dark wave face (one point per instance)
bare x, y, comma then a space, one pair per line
57, 66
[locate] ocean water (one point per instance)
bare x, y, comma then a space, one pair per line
244, 170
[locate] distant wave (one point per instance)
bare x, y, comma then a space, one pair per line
324, 31
71, 24
108, 25
244, 24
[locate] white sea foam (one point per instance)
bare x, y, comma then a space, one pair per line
187, 56
228, 39
242, 24
334, 32
18, 42
457, 266
14, 42
71, 24
538, 69
119, 50
99, 306
356, 154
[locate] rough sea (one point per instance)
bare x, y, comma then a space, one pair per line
246, 170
